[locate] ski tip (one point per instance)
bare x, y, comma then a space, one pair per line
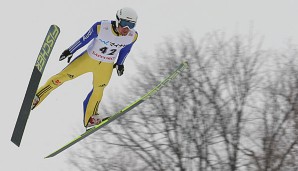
16, 143
49, 156
16, 139
55, 29
186, 63
54, 25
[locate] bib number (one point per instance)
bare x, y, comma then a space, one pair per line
105, 50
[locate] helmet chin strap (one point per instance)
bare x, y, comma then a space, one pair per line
115, 27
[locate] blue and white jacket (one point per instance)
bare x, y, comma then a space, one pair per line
107, 45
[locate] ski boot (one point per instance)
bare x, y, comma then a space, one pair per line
35, 102
95, 120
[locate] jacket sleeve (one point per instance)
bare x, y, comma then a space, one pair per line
125, 51
85, 39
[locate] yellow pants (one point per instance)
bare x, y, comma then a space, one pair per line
101, 76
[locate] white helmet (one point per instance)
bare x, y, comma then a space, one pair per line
126, 17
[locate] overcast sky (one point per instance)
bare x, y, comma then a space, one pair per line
59, 118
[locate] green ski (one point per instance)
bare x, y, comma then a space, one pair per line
37, 72
153, 91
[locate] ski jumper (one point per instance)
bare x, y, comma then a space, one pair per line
106, 46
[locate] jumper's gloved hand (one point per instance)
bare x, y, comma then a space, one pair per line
66, 54
119, 68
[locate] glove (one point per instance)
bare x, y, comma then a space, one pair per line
66, 54
119, 68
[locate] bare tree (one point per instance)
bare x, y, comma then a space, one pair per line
230, 82
275, 144
216, 116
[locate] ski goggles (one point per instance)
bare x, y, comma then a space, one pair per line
125, 23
